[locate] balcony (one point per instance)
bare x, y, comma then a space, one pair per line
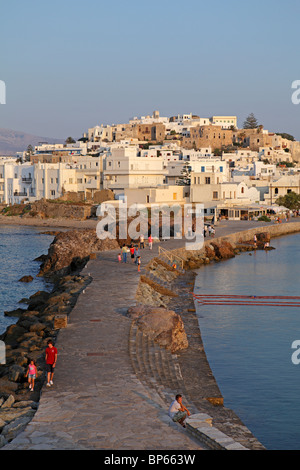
27, 180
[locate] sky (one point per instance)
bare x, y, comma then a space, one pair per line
70, 65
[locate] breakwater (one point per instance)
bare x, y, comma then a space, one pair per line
116, 329
196, 372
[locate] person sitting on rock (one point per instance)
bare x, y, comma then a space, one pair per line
177, 411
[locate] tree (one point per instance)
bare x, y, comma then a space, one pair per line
250, 122
284, 135
29, 152
70, 140
290, 201
185, 177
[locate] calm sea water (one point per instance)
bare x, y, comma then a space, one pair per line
249, 348
19, 246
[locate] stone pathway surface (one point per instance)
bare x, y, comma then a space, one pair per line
97, 401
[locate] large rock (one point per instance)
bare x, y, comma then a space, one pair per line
263, 238
69, 249
161, 325
223, 250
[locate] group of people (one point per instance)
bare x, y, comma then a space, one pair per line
209, 230
134, 251
50, 359
177, 411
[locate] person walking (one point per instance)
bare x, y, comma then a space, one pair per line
142, 241
136, 254
139, 263
150, 241
124, 253
31, 374
177, 411
132, 249
51, 358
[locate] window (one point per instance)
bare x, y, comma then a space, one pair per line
207, 180
215, 195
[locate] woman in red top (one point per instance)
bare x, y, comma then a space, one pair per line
132, 253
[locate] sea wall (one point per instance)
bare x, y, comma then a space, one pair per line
238, 240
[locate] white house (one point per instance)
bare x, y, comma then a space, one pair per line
125, 169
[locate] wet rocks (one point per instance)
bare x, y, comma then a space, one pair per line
26, 279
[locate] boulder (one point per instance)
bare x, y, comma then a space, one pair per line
223, 250
11, 430
15, 313
69, 249
263, 238
60, 321
15, 373
8, 402
163, 326
26, 279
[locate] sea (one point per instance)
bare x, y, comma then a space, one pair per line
252, 349
19, 247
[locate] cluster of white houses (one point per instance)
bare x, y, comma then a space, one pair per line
234, 183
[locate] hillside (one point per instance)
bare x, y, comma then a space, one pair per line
16, 141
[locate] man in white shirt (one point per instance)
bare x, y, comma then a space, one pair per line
177, 411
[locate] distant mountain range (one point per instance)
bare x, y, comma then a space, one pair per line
15, 141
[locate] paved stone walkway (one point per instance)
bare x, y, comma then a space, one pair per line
97, 401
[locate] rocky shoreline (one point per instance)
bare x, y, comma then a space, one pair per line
47, 313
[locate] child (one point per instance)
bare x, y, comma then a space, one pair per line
31, 373
119, 258
139, 263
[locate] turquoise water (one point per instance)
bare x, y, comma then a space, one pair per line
19, 246
249, 348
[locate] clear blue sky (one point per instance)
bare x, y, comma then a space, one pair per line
69, 65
